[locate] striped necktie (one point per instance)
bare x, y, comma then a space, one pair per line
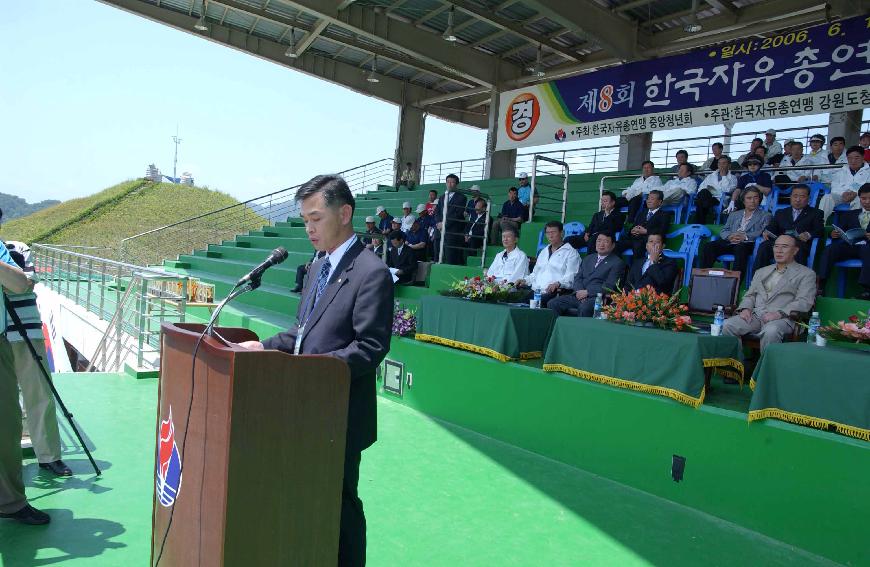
322, 278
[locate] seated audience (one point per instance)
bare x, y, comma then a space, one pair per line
816, 156
513, 212
598, 273
715, 187
634, 196
837, 156
401, 257
476, 230
840, 250
524, 189
472, 199
432, 202
649, 220
370, 229
302, 270
408, 177
754, 178
681, 185
655, 269
800, 220
682, 156
712, 162
775, 292
845, 182
795, 158
608, 219
756, 142
511, 264
384, 225
760, 153
864, 142
395, 224
417, 239
770, 144
739, 233
407, 217
555, 267
426, 220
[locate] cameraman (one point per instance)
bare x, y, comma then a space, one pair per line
13, 503
39, 407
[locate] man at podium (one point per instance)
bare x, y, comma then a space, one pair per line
346, 310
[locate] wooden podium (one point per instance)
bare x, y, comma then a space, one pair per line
258, 479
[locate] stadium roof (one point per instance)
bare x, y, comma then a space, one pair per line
497, 44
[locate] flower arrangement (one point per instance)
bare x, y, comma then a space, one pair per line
646, 306
855, 330
485, 289
404, 322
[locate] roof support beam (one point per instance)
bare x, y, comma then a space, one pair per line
309, 37
516, 28
615, 34
388, 89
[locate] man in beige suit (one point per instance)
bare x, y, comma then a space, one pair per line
776, 291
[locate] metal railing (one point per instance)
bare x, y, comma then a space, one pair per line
213, 227
554, 198
606, 158
456, 240
135, 299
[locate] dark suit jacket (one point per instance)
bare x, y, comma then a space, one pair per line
352, 321
809, 220
600, 279
455, 212
612, 224
406, 261
851, 219
659, 223
660, 275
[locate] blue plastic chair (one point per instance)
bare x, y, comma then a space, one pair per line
728, 260
677, 209
785, 191
835, 217
692, 235
854, 263
570, 229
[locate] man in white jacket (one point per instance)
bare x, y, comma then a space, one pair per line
717, 186
511, 264
634, 196
846, 182
556, 266
681, 185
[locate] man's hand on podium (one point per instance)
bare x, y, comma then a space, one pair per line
252, 345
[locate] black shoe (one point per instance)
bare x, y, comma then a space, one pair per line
864, 295
296, 290
29, 515
58, 467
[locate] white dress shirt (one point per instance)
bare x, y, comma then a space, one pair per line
337, 254
675, 188
407, 221
719, 184
561, 266
509, 266
642, 186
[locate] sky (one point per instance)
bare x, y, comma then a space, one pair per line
90, 95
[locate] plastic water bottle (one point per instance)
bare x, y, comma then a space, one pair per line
596, 311
396, 306
718, 322
537, 298
813, 328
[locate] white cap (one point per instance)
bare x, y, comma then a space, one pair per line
523, 175
406, 205
771, 131
421, 207
379, 210
370, 219
474, 188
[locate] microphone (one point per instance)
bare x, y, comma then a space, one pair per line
277, 256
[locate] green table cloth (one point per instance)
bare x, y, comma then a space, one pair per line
503, 332
644, 359
822, 387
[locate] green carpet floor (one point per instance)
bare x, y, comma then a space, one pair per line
434, 495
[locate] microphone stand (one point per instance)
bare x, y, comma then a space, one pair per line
238, 290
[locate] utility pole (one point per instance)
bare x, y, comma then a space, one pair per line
177, 141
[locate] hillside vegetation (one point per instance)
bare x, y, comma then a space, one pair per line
14, 207
130, 208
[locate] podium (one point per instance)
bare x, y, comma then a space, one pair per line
257, 480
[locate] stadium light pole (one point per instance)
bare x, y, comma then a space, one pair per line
176, 140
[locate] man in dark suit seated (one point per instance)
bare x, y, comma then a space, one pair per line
739, 233
346, 311
800, 219
655, 269
476, 229
598, 273
840, 250
608, 219
650, 219
401, 258
302, 271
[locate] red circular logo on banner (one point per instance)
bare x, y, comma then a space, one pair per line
521, 116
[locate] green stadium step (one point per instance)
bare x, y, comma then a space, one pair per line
175, 264
254, 255
277, 275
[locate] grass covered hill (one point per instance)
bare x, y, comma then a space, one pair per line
14, 207
126, 209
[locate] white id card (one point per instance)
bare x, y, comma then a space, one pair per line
298, 346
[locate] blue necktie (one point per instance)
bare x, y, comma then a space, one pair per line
322, 279
649, 215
